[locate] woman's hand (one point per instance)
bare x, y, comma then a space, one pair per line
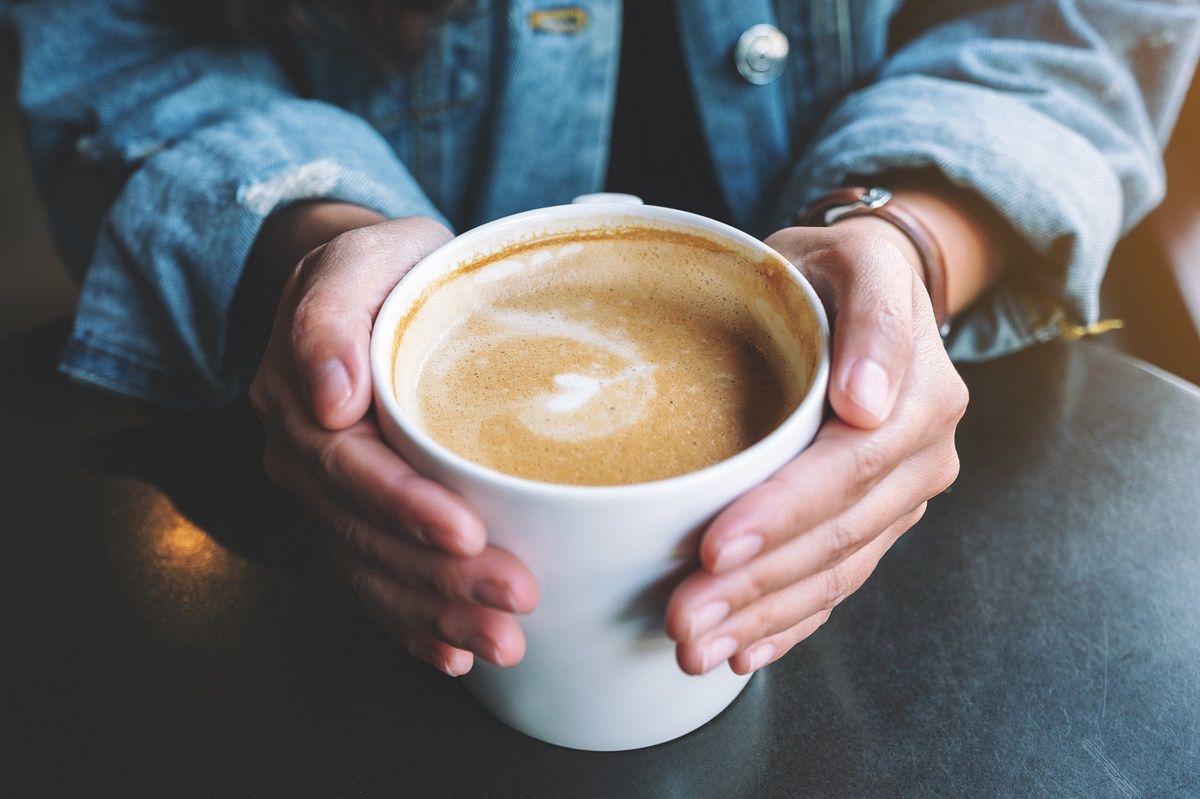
416, 553
777, 561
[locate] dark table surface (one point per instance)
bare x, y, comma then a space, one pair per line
171, 628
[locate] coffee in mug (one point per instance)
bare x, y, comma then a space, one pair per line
603, 357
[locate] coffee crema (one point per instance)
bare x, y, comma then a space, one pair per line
606, 357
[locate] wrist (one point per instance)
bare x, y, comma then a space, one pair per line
956, 243
975, 241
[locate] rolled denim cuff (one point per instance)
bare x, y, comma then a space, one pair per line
154, 319
1055, 189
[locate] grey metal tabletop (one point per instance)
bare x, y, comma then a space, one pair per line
171, 626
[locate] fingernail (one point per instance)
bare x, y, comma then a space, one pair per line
716, 651
330, 385
706, 617
481, 646
761, 655
867, 385
496, 596
736, 551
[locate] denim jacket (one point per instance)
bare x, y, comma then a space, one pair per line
160, 158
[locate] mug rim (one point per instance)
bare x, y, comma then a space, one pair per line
383, 343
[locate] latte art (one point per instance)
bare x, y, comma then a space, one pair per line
610, 392
626, 357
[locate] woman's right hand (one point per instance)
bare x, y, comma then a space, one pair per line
415, 553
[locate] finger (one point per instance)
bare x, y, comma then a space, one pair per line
441, 655
491, 634
777, 612
872, 337
368, 476
494, 577
773, 647
838, 470
448, 659
703, 599
871, 290
339, 289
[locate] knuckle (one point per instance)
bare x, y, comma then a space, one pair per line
957, 397
838, 583
778, 240
760, 581
364, 585
760, 620
428, 228
871, 272
948, 470
347, 244
329, 454
905, 523
398, 508
856, 244
804, 246
406, 239
321, 322
355, 538
870, 462
401, 483
843, 540
307, 318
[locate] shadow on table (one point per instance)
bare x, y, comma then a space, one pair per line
208, 465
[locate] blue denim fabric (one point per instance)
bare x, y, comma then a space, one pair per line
160, 159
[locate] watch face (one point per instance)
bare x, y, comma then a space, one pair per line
875, 197
833, 206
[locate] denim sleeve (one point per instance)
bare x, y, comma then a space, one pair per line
206, 143
1055, 113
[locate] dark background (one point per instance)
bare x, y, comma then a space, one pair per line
33, 286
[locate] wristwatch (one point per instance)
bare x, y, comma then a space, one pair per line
855, 201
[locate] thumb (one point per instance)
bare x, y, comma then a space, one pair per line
339, 289
872, 337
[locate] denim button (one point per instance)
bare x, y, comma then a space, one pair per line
760, 54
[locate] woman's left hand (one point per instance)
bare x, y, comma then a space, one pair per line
782, 556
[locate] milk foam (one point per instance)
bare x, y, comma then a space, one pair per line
578, 406
605, 362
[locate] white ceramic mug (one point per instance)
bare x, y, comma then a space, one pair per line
599, 673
